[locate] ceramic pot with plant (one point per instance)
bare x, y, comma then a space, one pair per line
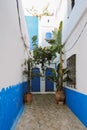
57, 47
27, 72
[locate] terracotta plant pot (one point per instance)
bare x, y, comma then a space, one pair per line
60, 97
28, 98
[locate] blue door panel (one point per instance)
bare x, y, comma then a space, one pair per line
49, 86
35, 82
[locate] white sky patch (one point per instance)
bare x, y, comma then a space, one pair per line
39, 5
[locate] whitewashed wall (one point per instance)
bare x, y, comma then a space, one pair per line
75, 30
74, 16
12, 52
80, 49
46, 24
61, 12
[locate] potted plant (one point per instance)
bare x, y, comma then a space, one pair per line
57, 47
42, 55
27, 72
60, 96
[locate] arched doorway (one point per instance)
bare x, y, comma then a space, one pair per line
35, 82
49, 85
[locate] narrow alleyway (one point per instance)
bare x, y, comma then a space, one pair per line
44, 114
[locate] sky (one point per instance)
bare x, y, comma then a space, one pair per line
38, 5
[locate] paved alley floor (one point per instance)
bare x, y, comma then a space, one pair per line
44, 114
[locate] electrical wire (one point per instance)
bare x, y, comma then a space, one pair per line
19, 20
77, 39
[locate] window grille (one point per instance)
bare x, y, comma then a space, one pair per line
71, 65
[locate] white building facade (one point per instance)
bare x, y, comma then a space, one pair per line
73, 13
13, 37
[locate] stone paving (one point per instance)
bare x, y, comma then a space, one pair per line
44, 114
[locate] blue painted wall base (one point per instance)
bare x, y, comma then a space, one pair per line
17, 118
77, 102
11, 101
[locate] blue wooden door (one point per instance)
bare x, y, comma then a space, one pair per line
35, 82
49, 86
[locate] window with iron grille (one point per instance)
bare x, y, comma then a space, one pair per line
71, 65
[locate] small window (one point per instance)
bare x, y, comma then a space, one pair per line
72, 3
48, 35
71, 65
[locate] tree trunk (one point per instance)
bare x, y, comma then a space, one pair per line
60, 71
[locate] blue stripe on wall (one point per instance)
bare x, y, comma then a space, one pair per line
32, 26
77, 102
11, 101
17, 118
